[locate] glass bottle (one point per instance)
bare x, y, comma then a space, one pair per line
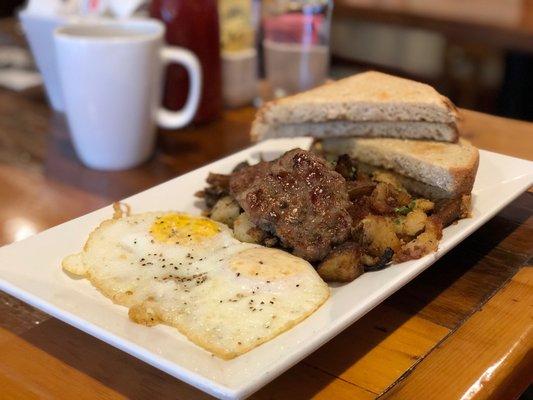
296, 44
192, 24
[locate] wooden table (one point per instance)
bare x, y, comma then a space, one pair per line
462, 328
507, 24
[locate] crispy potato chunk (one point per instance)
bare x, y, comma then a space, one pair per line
245, 231
385, 177
413, 223
342, 264
424, 205
425, 243
378, 233
385, 198
379, 262
369, 260
226, 210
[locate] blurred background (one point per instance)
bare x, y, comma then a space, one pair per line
477, 52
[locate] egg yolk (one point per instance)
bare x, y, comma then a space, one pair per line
182, 229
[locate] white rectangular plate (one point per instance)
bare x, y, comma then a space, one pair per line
30, 270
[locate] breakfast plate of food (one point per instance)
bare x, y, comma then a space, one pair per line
227, 276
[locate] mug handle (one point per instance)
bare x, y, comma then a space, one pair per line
178, 119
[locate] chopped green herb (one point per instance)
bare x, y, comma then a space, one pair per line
405, 209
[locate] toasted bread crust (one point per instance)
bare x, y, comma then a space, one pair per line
450, 167
465, 177
367, 97
362, 97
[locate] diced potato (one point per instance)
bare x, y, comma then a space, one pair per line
385, 177
378, 233
245, 231
386, 198
342, 264
369, 260
425, 243
424, 205
414, 222
381, 262
402, 197
226, 211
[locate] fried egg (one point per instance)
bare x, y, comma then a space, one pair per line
191, 273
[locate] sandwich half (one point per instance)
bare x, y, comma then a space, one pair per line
370, 104
432, 169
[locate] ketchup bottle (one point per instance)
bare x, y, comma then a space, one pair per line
192, 24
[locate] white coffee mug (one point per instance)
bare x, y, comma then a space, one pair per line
111, 80
39, 31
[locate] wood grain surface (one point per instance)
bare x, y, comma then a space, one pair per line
477, 356
462, 329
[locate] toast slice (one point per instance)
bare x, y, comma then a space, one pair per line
449, 168
371, 129
367, 104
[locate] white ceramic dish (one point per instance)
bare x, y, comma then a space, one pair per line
30, 270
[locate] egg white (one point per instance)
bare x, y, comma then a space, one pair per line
224, 295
